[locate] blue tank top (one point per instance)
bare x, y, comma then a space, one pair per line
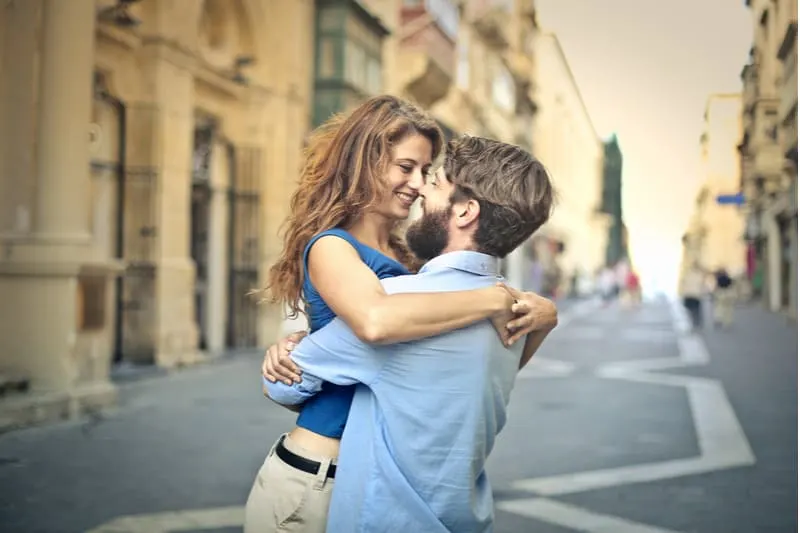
326, 413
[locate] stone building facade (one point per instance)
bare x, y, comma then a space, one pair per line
566, 141
151, 148
769, 152
715, 236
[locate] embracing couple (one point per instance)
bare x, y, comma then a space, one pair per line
403, 382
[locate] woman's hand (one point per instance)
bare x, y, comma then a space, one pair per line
528, 312
277, 364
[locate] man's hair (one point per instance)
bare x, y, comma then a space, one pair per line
510, 185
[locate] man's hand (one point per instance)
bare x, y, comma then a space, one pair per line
538, 314
277, 364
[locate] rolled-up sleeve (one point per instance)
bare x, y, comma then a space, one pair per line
334, 354
294, 394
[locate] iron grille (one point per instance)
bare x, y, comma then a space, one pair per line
243, 242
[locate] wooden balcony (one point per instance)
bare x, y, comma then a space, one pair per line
427, 58
749, 86
491, 18
787, 109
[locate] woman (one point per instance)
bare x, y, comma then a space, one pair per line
360, 179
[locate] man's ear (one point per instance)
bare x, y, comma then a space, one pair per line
466, 212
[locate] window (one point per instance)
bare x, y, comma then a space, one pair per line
329, 19
374, 76
327, 57
355, 64
503, 89
349, 50
91, 303
462, 67
363, 58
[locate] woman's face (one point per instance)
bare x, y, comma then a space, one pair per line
411, 161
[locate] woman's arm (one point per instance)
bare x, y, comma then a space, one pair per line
532, 343
355, 294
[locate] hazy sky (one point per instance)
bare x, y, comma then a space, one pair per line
645, 69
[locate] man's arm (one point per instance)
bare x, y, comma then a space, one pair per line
332, 354
292, 395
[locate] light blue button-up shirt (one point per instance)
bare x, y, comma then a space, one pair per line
424, 419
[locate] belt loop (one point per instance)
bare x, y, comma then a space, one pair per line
322, 474
276, 444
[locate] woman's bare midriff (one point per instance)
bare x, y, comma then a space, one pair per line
315, 443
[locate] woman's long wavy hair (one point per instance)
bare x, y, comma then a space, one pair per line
345, 163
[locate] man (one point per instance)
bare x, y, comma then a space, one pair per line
425, 419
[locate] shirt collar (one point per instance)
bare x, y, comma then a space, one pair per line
465, 260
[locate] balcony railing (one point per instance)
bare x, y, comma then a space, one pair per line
427, 40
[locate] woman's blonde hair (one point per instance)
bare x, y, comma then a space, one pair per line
345, 162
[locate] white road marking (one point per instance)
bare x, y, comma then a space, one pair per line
573, 517
168, 522
576, 311
542, 367
721, 440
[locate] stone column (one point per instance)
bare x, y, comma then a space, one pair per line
41, 335
65, 89
167, 71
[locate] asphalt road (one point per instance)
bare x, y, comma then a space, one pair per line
624, 424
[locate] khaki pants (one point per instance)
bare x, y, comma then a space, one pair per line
286, 500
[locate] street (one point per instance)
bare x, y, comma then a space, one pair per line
623, 423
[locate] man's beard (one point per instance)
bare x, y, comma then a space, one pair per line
428, 236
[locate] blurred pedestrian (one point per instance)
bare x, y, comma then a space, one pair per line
724, 298
693, 289
633, 295
607, 284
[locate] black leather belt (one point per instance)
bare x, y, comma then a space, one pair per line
301, 463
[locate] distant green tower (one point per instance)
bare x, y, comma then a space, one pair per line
612, 201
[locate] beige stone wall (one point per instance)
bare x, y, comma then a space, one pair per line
388, 11
58, 217
568, 146
58, 213
724, 243
770, 99
50, 264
